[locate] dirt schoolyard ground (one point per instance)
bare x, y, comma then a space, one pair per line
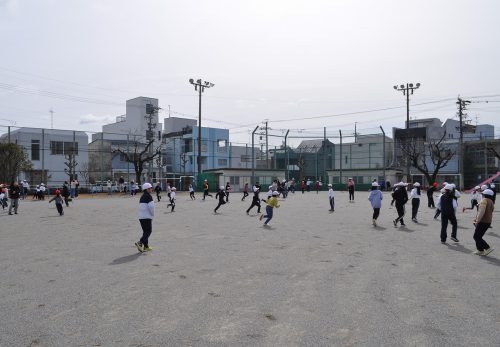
314, 278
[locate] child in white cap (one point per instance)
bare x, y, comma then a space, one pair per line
401, 198
375, 198
331, 197
474, 200
415, 201
222, 195
447, 205
483, 221
172, 198
146, 214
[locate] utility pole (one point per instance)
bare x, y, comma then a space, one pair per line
200, 86
51, 111
150, 136
462, 104
267, 150
253, 154
409, 88
383, 154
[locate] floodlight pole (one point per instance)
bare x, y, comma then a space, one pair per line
383, 154
200, 86
286, 156
406, 91
253, 154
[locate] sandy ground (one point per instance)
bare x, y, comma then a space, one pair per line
314, 278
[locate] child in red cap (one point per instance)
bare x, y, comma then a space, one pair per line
59, 201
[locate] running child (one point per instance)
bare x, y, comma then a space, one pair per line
191, 192
447, 205
221, 195
158, 191
271, 204
475, 199
172, 198
331, 197
415, 201
483, 221
255, 199
59, 202
146, 214
245, 192
375, 198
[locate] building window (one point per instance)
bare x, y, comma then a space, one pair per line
245, 158
234, 180
222, 162
68, 148
35, 149
346, 159
56, 147
221, 146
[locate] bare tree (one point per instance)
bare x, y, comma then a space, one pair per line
71, 165
85, 172
417, 151
139, 156
494, 151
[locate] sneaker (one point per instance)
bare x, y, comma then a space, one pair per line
374, 222
443, 242
488, 251
454, 239
479, 253
261, 216
395, 223
403, 224
147, 248
415, 220
463, 210
140, 247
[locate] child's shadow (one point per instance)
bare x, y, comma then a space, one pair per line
405, 229
125, 259
379, 228
458, 247
492, 234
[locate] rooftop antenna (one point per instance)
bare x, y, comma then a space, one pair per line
168, 111
51, 118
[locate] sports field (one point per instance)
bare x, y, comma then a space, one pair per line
313, 278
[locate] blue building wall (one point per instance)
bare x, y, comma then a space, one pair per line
215, 150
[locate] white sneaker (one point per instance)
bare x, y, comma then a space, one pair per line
478, 252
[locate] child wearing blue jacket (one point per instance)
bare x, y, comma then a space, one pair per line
376, 201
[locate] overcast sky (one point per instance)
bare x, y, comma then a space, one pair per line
284, 61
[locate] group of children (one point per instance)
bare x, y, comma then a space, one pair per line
482, 198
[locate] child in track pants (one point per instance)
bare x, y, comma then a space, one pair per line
146, 214
59, 202
415, 201
172, 199
375, 198
272, 202
191, 192
221, 195
483, 222
475, 199
331, 197
255, 199
447, 205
